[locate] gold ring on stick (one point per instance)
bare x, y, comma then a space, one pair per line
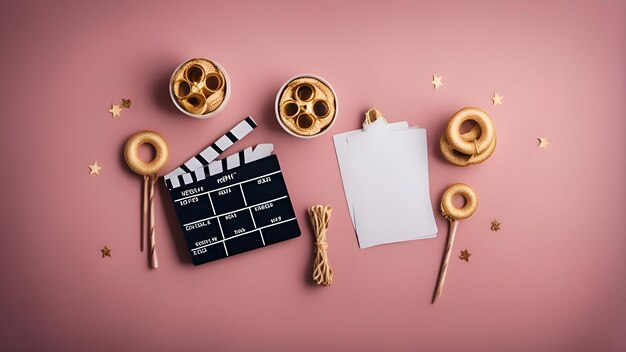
454, 215
149, 171
450, 211
131, 155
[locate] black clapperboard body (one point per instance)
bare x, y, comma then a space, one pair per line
233, 205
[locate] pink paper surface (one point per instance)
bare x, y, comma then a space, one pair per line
553, 279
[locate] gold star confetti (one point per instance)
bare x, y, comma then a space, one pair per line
436, 82
465, 255
95, 168
495, 225
497, 99
126, 103
106, 252
115, 110
543, 142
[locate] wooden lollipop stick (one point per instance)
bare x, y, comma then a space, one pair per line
144, 216
446, 259
154, 263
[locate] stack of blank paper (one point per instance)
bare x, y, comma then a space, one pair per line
384, 169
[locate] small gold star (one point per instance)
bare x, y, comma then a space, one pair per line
106, 252
495, 225
436, 82
95, 168
543, 142
465, 255
126, 103
497, 99
115, 110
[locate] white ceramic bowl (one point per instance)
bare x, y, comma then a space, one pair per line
277, 109
212, 113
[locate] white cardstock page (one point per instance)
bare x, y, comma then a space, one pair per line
343, 157
385, 175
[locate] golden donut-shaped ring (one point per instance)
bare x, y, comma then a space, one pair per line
131, 150
487, 131
451, 212
459, 159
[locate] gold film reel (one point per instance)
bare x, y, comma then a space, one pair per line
199, 86
307, 106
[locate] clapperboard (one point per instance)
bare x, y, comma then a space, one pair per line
233, 205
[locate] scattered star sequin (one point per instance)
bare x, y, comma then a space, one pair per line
106, 252
465, 254
497, 99
95, 168
543, 142
495, 225
115, 110
126, 103
436, 82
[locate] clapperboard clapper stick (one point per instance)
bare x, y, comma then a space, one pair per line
149, 171
211, 152
454, 215
232, 205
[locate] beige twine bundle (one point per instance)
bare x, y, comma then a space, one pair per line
320, 216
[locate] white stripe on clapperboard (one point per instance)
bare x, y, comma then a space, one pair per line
210, 153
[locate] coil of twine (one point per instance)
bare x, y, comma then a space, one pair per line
320, 216
472, 147
149, 171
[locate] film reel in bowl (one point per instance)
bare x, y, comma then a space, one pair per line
200, 88
306, 106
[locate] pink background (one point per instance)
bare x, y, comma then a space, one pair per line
553, 279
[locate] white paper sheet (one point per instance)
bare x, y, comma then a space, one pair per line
385, 176
343, 157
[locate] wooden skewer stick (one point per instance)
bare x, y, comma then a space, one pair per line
154, 263
446, 258
144, 217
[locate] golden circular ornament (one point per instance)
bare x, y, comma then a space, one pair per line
450, 211
459, 159
472, 147
131, 154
